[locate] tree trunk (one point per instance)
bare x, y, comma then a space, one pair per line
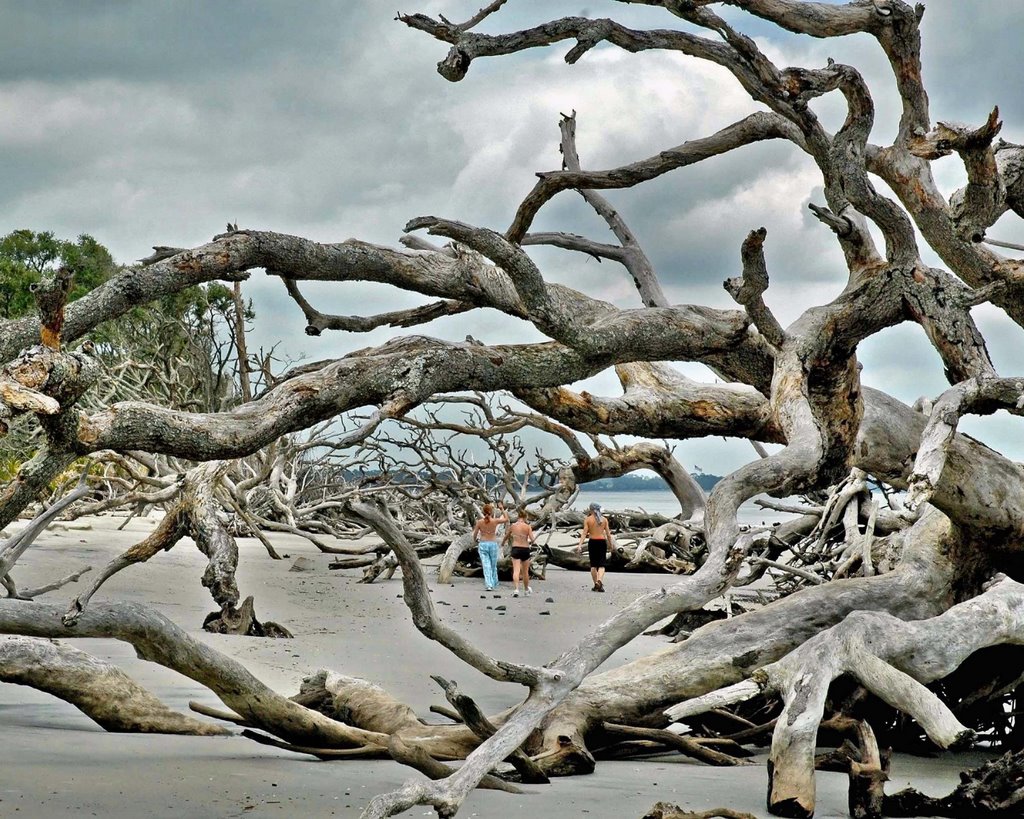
100, 691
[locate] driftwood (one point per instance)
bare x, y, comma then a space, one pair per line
867, 647
14, 547
996, 789
666, 810
243, 621
620, 559
100, 691
381, 561
538, 566
195, 514
423, 762
475, 719
683, 744
159, 640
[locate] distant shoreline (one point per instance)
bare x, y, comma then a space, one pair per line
635, 483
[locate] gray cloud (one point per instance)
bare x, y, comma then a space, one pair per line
55, 41
146, 123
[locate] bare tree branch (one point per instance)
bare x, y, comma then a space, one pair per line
317, 322
754, 128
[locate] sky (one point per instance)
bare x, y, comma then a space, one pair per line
145, 123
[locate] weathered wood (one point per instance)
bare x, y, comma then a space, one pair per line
992, 790
14, 547
102, 692
35, 591
620, 559
454, 551
890, 661
243, 622
51, 294
867, 776
683, 744
918, 589
358, 702
24, 399
417, 758
475, 719
666, 810
195, 513
168, 532
159, 640
320, 753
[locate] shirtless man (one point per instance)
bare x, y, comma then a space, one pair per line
522, 537
595, 527
485, 534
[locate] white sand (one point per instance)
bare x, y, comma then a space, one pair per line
54, 762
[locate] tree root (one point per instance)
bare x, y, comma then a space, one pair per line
995, 790
242, 621
892, 659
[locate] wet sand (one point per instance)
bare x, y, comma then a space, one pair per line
54, 762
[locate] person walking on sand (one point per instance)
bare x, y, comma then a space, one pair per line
485, 534
522, 537
595, 527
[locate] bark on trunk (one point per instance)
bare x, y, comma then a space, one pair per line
159, 640
102, 692
935, 573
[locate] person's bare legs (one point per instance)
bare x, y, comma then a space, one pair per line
526, 576
593, 576
516, 568
599, 582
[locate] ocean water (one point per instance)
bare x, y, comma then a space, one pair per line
664, 502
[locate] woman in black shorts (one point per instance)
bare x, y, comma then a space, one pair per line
595, 527
522, 537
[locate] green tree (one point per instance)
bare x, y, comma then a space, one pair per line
177, 350
25, 256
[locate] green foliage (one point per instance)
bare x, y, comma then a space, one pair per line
9, 467
25, 256
177, 351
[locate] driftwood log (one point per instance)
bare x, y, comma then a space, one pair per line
620, 559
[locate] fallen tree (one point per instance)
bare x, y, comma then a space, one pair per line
855, 577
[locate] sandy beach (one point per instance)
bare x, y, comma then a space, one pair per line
54, 762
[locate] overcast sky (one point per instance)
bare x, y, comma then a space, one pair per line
146, 123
